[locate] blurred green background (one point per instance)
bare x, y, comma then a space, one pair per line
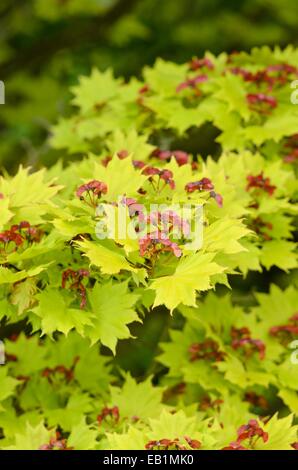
46, 44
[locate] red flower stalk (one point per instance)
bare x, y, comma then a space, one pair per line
241, 339
193, 443
138, 164
56, 443
165, 175
122, 154
291, 146
11, 358
207, 403
109, 412
258, 226
245, 74
291, 157
286, 331
94, 190
260, 102
205, 184
191, 82
144, 89
173, 444
133, 206
68, 373
154, 243
208, 350
167, 221
106, 160
165, 155
292, 141
76, 278
273, 75
256, 400
218, 198
251, 432
18, 234
234, 446
285, 68
196, 63
259, 182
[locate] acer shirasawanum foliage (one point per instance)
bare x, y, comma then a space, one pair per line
227, 377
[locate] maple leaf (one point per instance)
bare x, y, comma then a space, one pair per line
279, 253
23, 295
95, 91
55, 314
121, 178
110, 261
192, 274
281, 434
147, 399
32, 438
113, 310
82, 437
8, 385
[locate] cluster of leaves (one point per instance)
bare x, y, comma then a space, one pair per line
45, 277
247, 98
69, 396
78, 281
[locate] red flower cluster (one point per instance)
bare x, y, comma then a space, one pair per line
11, 358
154, 243
241, 339
273, 75
67, 372
138, 164
122, 154
208, 350
173, 444
258, 226
207, 403
245, 74
248, 431
142, 91
165, 155
168, 221
261, 103
259, 182
256, 400
291, 147
109, 412
192, 83
76, 278
164, 175
56, 443
196, 63
134, 208
285, 332
94, 190
205, 184
164, 225
20, 233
